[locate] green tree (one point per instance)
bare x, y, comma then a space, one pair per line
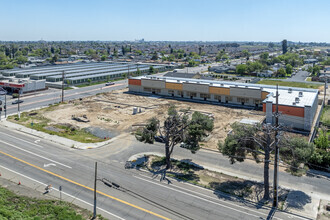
321, 156
154, 56
192, 63
138, 71
241, 69
3, 59
284, 46
151, 70
275, 60
322, 141
326, 62
281, 72
103, 57
177, 128
316, 70
21, 59
89, 81
271, 45
288, 69
246, 53
264, 56
310, 69
220, 55
54, 58
258, 141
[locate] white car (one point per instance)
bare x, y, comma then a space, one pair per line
109, 84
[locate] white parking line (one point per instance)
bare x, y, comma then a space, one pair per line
36, 154
21, 139
75, 198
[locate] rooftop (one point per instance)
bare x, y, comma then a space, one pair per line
299, 97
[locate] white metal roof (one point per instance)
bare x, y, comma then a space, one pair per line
286, 97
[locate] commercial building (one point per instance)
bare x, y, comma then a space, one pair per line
81, 72
296, 105
23, 86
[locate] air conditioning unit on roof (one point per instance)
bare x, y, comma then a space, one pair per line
290, 90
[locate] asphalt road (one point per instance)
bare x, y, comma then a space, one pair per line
51, 96
140, 195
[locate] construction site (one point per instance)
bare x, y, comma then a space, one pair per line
107, 115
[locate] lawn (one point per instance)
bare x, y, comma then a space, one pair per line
13, 206
289, 84
37, 122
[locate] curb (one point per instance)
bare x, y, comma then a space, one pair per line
54, 138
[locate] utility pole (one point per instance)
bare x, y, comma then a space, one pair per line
275, 195
5, 107
325, 89
18, 106
95, 179
63, 86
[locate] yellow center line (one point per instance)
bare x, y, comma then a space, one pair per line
86, 187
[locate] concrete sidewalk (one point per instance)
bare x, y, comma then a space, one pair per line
54, 138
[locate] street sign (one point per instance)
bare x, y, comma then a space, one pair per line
60, 188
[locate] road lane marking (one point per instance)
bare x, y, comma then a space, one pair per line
36, 154
49, 164
86, 187
189, 194
21, 139
75, 198
36, 141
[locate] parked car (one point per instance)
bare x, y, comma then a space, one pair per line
16, 102
183, 145
109, 84
160, 139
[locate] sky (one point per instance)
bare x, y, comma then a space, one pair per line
165, 20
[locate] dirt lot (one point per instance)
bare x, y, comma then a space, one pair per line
114, 111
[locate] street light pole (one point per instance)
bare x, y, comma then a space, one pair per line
95, 179
18, 106
5, 107
325, 87
275, 194
62, 86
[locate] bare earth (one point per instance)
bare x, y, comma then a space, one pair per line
114, 111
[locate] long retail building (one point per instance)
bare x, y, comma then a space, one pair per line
297, 106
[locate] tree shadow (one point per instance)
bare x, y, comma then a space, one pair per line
250, 193
318, 174
296, 200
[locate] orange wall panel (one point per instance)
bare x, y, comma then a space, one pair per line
174, 86
290, 110
264, 95
136, 82
287, 110
219, 90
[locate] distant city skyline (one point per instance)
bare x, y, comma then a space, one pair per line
183, 20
